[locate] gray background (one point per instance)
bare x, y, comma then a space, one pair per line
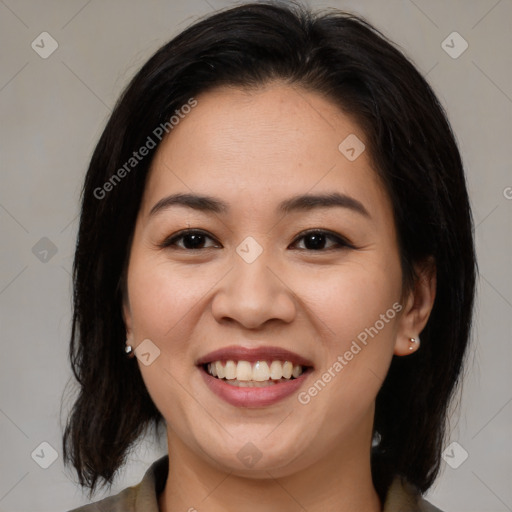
53, 111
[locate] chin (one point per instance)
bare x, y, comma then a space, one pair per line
257, 458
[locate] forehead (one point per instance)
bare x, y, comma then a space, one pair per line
256, 147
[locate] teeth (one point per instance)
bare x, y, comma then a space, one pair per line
230, 370
276, 370
287, 369
253, 384
260, 371
219, 370
296, 371
243, 371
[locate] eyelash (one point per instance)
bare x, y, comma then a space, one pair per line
342, 242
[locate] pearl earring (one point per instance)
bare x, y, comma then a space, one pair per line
415, 343
129, 350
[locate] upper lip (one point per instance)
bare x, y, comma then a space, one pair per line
264, 353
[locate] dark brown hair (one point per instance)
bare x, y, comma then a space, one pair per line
413, 151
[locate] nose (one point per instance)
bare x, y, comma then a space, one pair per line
252, 294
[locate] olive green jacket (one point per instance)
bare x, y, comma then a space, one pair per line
143, 497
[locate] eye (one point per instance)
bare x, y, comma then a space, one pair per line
314, 240
192, 239
317, 239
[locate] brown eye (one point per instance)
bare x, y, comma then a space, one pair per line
317, 240
190, 240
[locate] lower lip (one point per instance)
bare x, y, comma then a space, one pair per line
253, 397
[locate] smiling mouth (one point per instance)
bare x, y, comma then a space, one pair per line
257, 374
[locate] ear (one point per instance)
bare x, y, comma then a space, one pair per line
127, 317
126, 310
418, 306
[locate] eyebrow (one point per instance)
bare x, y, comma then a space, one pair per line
297, 203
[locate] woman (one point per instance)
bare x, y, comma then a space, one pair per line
274, 215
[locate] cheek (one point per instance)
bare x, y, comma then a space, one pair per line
355, 308
351, 298
164, 303
162, 297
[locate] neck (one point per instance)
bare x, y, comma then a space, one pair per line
339, 483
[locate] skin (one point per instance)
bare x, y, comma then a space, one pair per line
254, 150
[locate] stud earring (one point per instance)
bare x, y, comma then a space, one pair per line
415, 343
129, 350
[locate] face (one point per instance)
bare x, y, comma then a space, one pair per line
260, 266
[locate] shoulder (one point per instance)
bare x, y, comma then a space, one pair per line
425, 506
121, 502
404, 497
142, 497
